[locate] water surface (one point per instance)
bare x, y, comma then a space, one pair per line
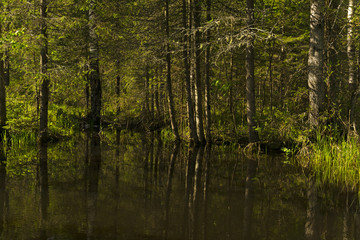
136, 187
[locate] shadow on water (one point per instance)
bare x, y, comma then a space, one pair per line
121, 186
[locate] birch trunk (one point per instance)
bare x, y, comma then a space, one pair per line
315, 62
174, 125
198, 84
190, 109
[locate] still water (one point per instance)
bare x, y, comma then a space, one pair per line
132, 187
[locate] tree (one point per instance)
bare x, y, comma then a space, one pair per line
94, 71
250, 75
45, 81
198, 84
190, 110
351, 61
174, 125
207, 74
315, 62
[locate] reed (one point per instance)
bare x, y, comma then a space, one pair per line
335, 160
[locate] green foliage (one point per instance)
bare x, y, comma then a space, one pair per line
283, 126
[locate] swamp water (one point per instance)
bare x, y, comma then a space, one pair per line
129, 188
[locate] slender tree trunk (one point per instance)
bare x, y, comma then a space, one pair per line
207, 75
118, 94
192, 126
351, 60
2, 92
87, 92
198, 84
250, 76
94, 71
7, 51
172, 113
231, 93
332, 57
44, 87
146, 108
157, 102
315, 62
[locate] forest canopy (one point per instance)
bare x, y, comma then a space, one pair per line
202, 70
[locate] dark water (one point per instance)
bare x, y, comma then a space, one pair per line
128, 187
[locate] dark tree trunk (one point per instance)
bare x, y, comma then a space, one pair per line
172, 113
198, 83
332, 57
7, 51
315, 62
250, 76
94, 71
118, 94
45, 81
192, 125
207, 75
2, 92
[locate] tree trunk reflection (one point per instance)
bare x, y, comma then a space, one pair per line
249, 198
44, 188
3, 192
190, 171
93, 182
174, 155
311, 226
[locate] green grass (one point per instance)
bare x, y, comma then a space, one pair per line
334, 160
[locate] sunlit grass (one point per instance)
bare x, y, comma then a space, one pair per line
335, 161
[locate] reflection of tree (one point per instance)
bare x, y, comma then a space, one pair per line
44, 188
3, 192
196, 193
117, 178
311, 228
193, 193
190, 171
169, 185
249, 198
93, 181
206, 187
357, 226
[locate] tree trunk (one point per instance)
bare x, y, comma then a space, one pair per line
351, 61
207, 74
192, 126
250, 76
44, 87
315, 62
7, 50
332, 57
146, 108
94, 71
2, 89
174, 125
198, 84
118, 95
